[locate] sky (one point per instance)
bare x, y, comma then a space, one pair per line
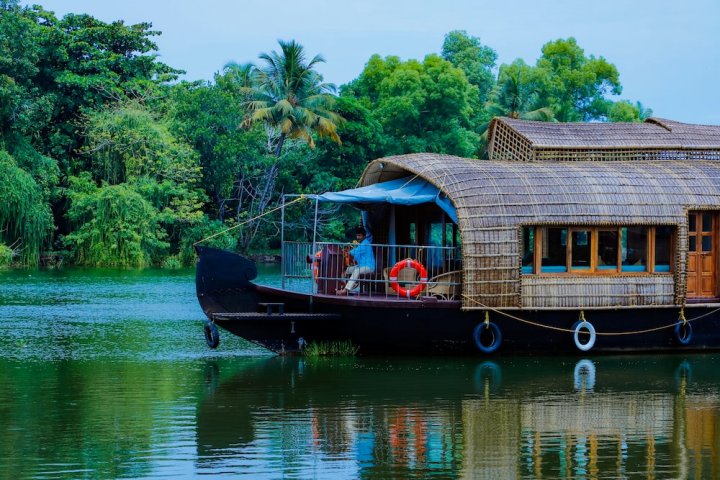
667, 51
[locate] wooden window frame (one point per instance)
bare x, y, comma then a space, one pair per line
594, 251
618, 248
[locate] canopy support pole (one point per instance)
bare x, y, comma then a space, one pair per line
314, 244
392, 236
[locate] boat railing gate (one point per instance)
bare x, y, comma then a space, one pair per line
325, 269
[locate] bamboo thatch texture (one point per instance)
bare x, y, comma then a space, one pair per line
655, 139
590, 291
494, 199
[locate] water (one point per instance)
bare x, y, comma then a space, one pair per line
105, 374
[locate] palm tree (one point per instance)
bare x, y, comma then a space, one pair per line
516, 94
289, 97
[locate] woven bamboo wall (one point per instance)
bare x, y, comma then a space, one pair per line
563, 291
506, 144
494, 199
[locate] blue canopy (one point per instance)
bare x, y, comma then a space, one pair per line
403, 191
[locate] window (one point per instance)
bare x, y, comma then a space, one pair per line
634, 249
597, 250
434, 238
580, 252
663, 248
528, 254
554, 249
607, 260
450, 228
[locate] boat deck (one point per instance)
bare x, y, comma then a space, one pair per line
252, 316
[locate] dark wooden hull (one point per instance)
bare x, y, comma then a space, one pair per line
426, 326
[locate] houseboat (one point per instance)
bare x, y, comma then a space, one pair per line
570, 237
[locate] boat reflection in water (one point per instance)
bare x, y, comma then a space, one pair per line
649, 417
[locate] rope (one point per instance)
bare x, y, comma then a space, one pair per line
609, 334
301, 197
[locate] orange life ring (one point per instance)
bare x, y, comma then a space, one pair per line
316, 265
409, 263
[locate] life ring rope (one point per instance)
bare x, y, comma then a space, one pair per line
418, 267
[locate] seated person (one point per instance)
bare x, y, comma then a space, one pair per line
364, 259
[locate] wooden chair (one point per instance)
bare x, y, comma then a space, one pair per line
445, 286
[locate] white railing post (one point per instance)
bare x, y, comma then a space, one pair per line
312, 252
282, 243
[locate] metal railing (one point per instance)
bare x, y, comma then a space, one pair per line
327, 268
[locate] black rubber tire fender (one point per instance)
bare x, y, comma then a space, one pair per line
683, 332
496, 337
212, 335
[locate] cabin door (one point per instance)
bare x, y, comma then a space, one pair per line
702, 254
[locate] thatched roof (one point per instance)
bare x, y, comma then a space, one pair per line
656, 139
494, 198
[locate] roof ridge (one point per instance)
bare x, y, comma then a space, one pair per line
660, 122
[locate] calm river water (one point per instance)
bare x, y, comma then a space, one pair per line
105, 374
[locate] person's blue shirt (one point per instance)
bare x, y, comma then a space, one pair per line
363, 255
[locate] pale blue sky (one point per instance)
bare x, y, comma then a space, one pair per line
667, 51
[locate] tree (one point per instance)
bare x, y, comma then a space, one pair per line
624, 111
290, 99
87, 64
422, 107
206, 116
576, 86
476, 60
25, 218
517, 93
53, 69
25, 107
114, 226
22, 104
335, 167
128, 145
126, 142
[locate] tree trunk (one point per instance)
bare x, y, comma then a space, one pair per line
266, 195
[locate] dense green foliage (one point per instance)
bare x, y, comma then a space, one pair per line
113, 226
421, 106
25, 219
107, 159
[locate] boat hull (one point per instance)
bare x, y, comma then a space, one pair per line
426, 326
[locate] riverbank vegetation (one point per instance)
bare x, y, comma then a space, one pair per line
341, 348
108, 158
